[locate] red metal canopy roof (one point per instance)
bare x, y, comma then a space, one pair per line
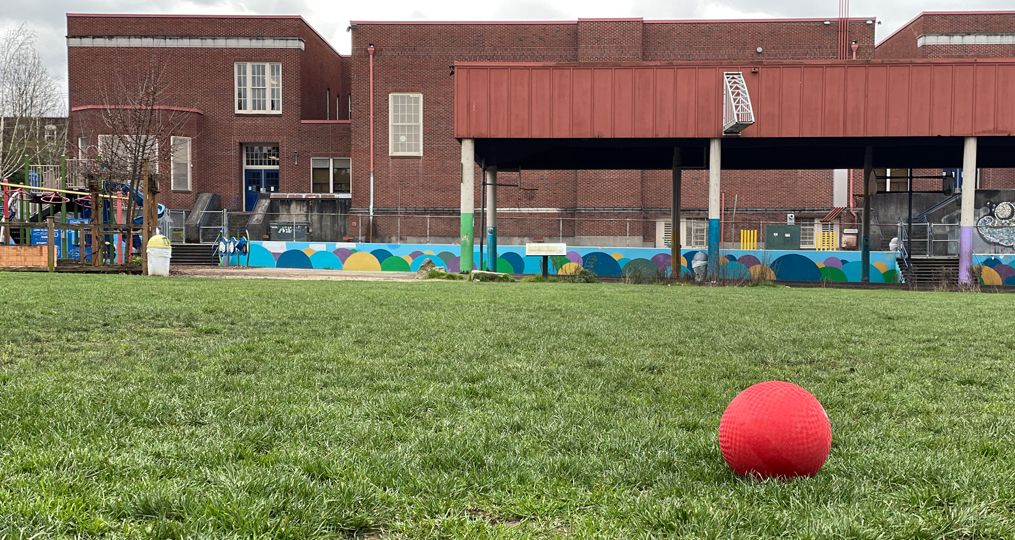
922, 98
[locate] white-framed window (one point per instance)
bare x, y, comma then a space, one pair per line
119, 151
331, 175
260, 155
181, 163
806, 231
258, 87
892, 180
82, 147
405, 123
695, 233
50, 133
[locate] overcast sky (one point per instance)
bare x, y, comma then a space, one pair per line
331, 17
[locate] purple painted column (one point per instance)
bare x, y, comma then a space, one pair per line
968, 210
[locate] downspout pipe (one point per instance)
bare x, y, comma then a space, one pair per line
370, 50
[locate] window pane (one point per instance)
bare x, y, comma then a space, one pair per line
241, 87
406, 123
342, 176
260, 156
319, 180
276, 87
181, 163
806, 231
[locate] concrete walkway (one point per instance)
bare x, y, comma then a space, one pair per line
289, 273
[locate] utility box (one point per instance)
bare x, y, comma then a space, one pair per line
785, 237
289, 231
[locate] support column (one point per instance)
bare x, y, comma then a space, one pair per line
714, 190
468, 204
968, 219
491, 218
675, 216
865, 237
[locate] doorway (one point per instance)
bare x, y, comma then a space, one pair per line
260, 173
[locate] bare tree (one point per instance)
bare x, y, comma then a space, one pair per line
27, 96
140, 117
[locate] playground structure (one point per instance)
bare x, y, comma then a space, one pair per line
79, 218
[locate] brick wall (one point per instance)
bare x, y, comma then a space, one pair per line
903, 43
202, 79
415, 58
609, 40
719, 40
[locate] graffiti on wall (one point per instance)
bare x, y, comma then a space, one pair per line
610, 262
997, 225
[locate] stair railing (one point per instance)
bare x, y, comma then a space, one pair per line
907, 268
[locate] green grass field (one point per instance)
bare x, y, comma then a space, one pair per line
174, 408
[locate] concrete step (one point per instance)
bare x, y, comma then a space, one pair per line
194, 255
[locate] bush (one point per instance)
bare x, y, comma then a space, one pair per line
539, 279
504, 278
437, 274
581, 275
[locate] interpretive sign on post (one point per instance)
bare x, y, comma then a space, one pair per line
545, 251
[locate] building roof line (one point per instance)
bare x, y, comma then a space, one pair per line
651, 21
922, 13
156, 107
179, 16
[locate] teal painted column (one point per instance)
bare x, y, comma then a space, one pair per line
714, 191
865, 238
491, 218
467, 239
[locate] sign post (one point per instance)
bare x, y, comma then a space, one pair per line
545, 251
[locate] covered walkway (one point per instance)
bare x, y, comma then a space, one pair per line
803, 115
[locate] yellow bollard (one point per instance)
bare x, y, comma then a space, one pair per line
748, 239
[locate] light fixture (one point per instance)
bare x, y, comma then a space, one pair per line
759, 50
296, 157
827, 21
870, 21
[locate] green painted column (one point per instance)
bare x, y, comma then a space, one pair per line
468, 204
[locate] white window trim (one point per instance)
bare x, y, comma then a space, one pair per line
331, 176
172, 163
687, 226
391, 123
153, 163
267, 95
815, 225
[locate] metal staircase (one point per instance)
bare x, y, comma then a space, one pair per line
737, 112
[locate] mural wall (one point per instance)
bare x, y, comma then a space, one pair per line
995, 269
996, 226
616, 262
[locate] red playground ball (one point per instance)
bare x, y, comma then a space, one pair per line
775, 430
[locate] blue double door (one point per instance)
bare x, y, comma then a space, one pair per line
257, 181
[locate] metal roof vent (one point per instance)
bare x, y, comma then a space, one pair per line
737, 112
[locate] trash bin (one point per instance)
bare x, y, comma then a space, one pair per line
159, 254
699, 265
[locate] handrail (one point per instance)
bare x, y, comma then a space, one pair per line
922, 217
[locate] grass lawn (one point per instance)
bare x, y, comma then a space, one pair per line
133, 407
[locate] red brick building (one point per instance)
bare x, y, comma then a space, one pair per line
322, 130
